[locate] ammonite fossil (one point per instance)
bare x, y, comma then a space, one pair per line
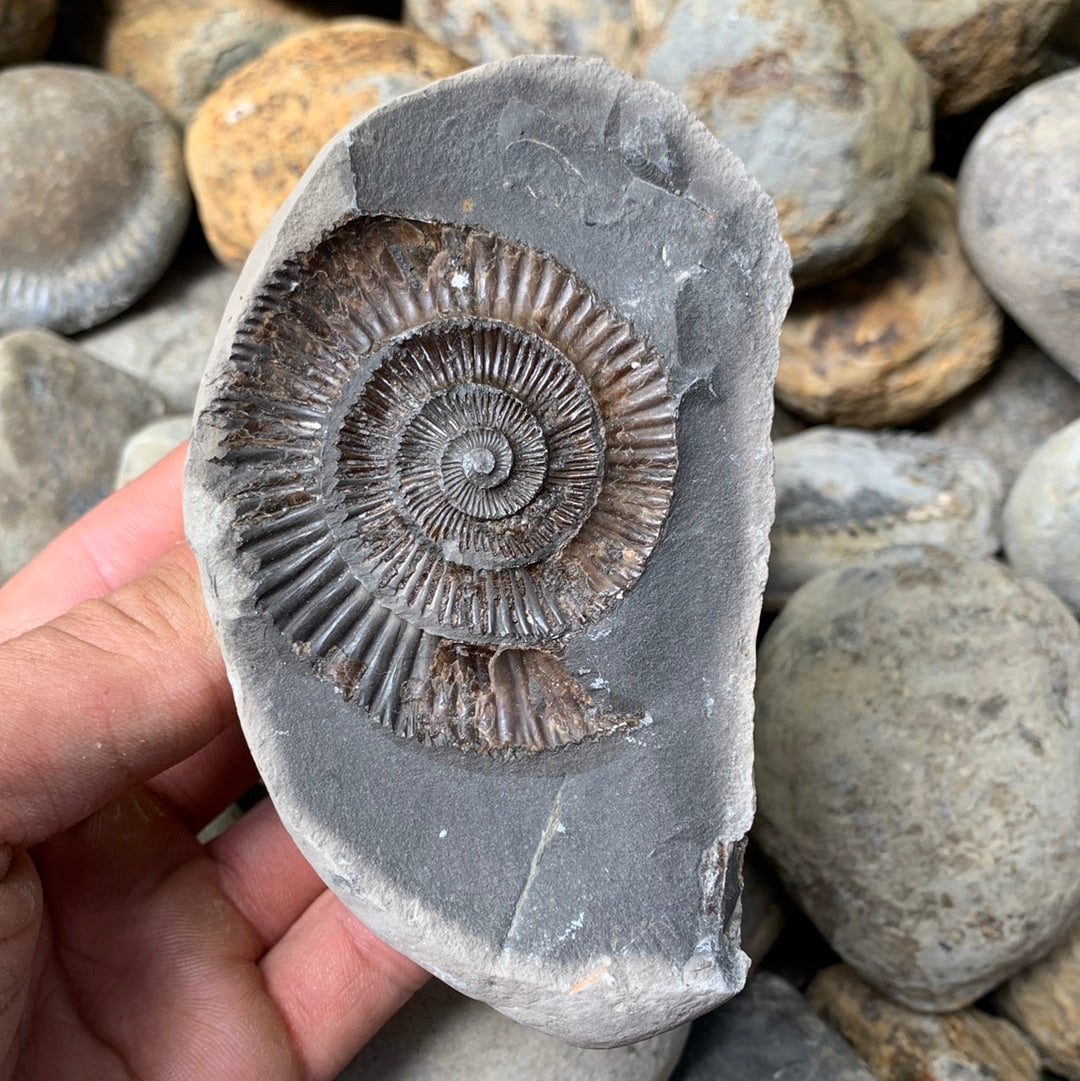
480, 487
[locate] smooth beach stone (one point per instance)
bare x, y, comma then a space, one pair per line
769, 1031
1041, 522
254, 136
899, 1044
178, 52
480, 487
918, 741
93, 198
149, 445
25, 29
1011, 411
1044, 1000
440, 1035
912, 329
1019, 212
842, 493
972, 49
64, 418
165, 339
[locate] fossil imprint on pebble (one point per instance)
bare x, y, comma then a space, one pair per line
441, 471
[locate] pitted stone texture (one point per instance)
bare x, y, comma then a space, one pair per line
93, 198
165, 339
1012, 411
1019, 212
178, 52
972, 49
918, 739
590, 891
254, 136
25, 29
63, 420
1041, 523
1044, 1000
767, 1032
826, 107
149, 445
889, 344
900, 1044
440, 1035
843, 493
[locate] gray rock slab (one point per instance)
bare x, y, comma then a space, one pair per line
531, 771
93, 196
918, 737
1018, 196
440, 1035
64, 417
769, 1031
165, 339
149, 445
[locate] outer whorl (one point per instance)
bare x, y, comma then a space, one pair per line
442, 436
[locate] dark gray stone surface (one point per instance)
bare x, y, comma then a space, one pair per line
589, 891
767, 1032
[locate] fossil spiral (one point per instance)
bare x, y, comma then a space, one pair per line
450, 455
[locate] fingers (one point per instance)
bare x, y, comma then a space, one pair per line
115, 542
20, 921
108, 695
335, 984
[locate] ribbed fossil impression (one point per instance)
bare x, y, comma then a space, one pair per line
446, 456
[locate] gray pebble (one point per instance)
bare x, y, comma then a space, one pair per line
64, 418
150, 444
918, 743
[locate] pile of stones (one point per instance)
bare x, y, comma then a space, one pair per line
918, 718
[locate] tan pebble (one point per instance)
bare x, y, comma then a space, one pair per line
254, 136
890, 343
899, 1044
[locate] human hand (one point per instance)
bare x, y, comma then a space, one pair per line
127, 949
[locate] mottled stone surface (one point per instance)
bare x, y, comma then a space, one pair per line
254, 136
918, 739
1019, 212
909, 331
93, 199
972, 49
150, 444
440, 1035
766, 1033
904, 1045
25, 29
178, 52
589, 891
63, 420
165, 339
1044, 1000
1041, 523
842, 493
820, 99
1010, 412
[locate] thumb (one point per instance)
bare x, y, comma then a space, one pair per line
20, 923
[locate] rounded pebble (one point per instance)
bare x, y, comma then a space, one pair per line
1019, 212
26, 28
149, 445
918, 743
887, 345
1041, 523
254, 136
842, 493
93, 197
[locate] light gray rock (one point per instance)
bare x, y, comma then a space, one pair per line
440, 1035
1019, 212
767, 1033
93, 196
1006, 416
1041, 523
918, 741
842, 493
64, 418
165, 339
149, 445
575, 708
